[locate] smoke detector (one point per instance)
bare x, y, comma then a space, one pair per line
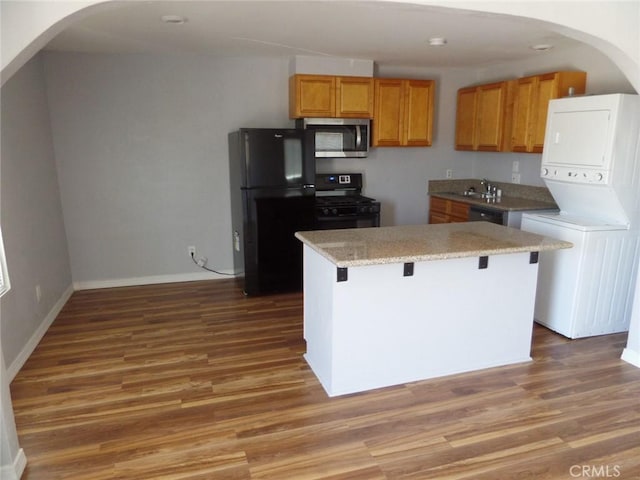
437, 41
174, 19
541, 47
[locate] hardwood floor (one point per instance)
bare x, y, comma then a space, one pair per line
196, 381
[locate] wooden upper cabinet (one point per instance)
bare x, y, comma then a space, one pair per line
482, 116
531, 104
523, 113
312, 96
494, 107
466, 118
354, 97
328, 96
418, 113
388, 115
403, 112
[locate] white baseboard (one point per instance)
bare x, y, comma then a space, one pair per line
31, 345
152, 280
631, 356
15, 471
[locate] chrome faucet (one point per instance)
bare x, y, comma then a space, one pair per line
490, 189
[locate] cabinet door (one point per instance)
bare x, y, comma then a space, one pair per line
447, 211
388, 112
466, 118
459, 211
490, 117
523, 113
418, 112
532, 105
435, 217
547, 90
312, 96
354, 97
438, 205
438, 210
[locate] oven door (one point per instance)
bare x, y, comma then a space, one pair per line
355, 221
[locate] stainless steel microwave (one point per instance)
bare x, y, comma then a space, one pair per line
337, 137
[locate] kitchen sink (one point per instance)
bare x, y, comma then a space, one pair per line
473, 194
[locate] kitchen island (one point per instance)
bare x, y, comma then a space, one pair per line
390, 305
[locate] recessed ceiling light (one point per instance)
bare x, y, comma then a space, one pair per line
437, 41
175, 19
541, 47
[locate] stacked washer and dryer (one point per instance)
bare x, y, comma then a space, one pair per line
591, 165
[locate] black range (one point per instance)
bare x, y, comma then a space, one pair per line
340, 203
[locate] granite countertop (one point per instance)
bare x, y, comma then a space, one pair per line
504, 203
515, 197
415, 243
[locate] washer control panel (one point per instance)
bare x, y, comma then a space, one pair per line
575, 175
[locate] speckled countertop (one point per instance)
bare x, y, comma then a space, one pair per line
503, 203
515, 197
416, 243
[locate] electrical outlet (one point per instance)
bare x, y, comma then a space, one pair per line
191, 250
449, 173
38, 293
516, 166
515, 178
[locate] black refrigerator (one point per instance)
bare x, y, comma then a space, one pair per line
272, 197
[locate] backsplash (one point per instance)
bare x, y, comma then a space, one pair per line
508, 189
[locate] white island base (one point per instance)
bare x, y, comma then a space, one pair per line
380, 328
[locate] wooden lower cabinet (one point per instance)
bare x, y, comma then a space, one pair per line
442, 210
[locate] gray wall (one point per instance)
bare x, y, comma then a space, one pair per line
32, 221
141, 149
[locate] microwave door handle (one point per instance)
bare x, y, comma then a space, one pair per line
358, 137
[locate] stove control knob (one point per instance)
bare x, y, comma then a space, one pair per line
334, 211
325, 211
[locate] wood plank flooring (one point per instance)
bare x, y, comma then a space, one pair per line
197, 381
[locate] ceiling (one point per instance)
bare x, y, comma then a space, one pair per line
389, 32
